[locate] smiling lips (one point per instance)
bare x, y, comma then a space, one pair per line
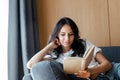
67, 43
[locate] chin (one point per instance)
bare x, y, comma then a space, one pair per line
66, 45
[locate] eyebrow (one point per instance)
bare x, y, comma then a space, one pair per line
64, 32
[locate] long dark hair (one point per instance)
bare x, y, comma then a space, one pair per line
77, 45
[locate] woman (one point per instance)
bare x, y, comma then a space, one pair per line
63, 42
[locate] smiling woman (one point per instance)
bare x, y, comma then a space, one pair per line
3, 39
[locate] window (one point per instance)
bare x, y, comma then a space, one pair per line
3, 39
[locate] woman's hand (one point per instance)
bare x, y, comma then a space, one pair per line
55, 43
83, 74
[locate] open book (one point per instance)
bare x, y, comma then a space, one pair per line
74, 64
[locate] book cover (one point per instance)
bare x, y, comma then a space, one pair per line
74, 64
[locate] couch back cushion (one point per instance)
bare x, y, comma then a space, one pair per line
112, 53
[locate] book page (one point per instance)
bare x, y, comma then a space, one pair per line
88, 57
89, 52
74, 64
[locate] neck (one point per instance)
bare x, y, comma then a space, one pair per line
65, 49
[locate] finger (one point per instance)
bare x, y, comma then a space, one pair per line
57, 41
84, 71
82, 74
76, 73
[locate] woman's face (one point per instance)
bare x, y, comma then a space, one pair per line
66, 36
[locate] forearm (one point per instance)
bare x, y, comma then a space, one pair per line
102, 68
38, 56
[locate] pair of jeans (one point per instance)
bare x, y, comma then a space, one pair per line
48, 70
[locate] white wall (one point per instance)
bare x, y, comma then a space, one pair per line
3, 39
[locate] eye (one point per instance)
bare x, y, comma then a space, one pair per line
62, 34
71, 34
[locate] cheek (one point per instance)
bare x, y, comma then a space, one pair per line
60, 39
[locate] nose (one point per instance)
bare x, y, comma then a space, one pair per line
67, 37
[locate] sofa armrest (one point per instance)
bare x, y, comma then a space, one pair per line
112, 53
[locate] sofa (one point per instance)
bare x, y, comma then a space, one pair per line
112, 53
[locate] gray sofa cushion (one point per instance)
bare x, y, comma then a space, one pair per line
112, 53
27, 77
